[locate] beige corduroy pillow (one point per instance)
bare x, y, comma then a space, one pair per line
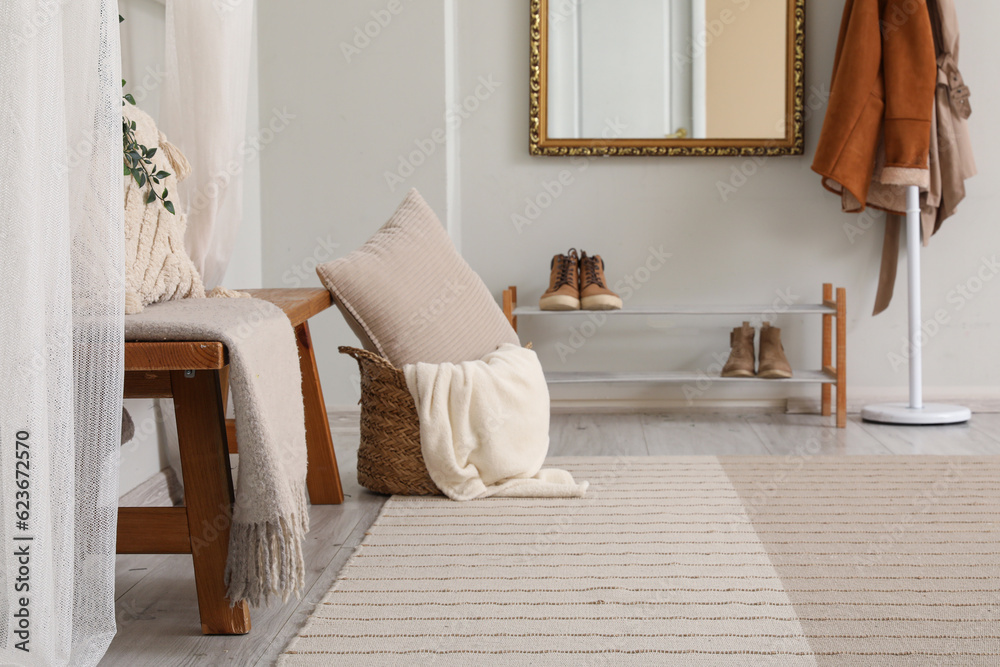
410, 296
157, 267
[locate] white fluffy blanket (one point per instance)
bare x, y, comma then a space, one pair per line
270, 517
484, 427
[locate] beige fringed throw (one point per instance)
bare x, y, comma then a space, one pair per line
270, 518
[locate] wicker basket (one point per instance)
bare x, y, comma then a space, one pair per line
389, 459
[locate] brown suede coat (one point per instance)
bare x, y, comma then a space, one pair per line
881, 100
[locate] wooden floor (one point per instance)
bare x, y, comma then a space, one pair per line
157, 609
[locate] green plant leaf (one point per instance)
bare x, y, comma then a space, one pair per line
164, 195
128, 172
162, 174
169, 205
151, 197
130, 99
151, 152
141, 178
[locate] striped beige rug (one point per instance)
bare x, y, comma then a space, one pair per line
683, 561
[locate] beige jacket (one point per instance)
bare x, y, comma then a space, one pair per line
952, 162
951, 159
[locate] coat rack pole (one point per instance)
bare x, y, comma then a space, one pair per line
915, 413
913, 233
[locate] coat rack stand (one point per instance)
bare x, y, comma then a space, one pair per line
916, 412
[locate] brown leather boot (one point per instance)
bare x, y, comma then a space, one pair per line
741, 357
594, 292
773, 363
564, 283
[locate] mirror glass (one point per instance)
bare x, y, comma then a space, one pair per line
667, 69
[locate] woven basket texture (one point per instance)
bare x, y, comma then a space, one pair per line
390, 460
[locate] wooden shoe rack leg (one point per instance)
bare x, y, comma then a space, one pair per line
832, 374
840, 370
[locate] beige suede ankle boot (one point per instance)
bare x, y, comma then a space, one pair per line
773, 363
741, 357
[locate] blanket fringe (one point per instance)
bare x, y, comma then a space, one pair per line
265, 559
221, 292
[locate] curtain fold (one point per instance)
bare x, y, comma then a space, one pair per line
204, 113
61, 327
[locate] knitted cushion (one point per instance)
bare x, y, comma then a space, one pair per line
157, 267
413, 297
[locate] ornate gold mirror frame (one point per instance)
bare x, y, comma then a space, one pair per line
791, 144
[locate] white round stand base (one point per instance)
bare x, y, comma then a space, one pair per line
931, 414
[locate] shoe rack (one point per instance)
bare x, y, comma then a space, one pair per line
831, 374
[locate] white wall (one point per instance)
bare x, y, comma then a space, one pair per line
732, 238
324, 189
143, 37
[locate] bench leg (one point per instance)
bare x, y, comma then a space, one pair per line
322, 476
208, 496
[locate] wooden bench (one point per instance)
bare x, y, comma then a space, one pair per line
195, 376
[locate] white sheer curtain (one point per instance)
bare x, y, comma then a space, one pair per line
61, 327
204, 113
